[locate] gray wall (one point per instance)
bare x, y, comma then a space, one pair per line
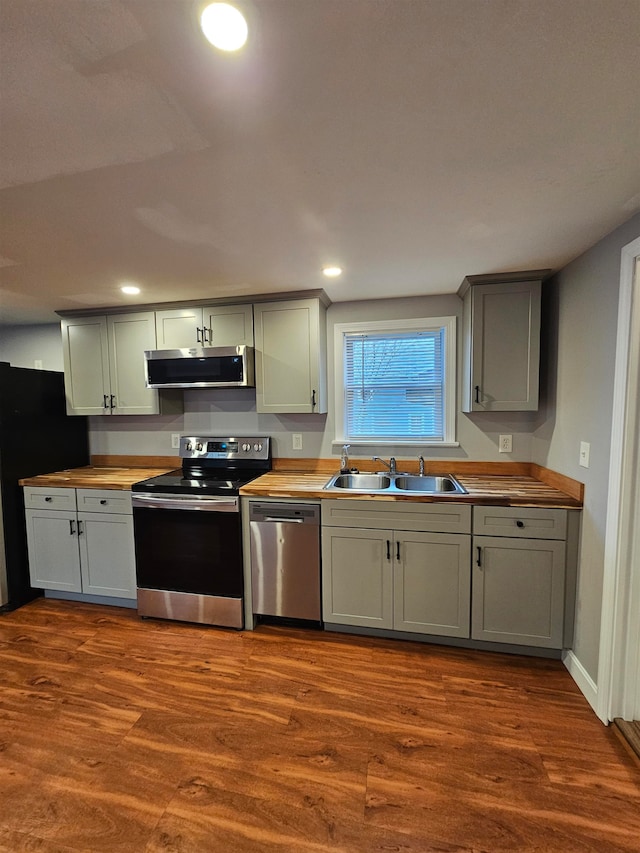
233, 410
582, 313
22, 346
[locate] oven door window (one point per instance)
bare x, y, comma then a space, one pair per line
199, 552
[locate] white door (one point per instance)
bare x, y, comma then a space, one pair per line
619, 661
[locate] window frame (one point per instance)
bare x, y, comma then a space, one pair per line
425, 324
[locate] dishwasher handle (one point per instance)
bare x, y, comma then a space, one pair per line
281, 518
279, 513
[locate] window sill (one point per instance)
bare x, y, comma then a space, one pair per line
339, 442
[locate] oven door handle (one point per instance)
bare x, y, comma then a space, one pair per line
208, 504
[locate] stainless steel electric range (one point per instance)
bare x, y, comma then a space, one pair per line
188, 532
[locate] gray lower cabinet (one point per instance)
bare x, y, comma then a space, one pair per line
522, 576
387, 577
81, 541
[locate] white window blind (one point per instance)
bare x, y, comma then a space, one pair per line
395, 385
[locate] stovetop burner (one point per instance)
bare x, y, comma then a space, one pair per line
213, 465
174, 483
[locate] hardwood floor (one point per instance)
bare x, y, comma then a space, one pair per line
118, 734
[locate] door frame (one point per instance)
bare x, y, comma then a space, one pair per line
619, 659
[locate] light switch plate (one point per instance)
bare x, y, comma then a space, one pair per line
585, 450
175, 440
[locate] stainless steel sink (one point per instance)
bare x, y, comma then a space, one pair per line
390, 483
428, 484
359, 482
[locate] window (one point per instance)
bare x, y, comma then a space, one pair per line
395, 381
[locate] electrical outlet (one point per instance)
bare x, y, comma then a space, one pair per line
37, 364
175, 440
505, 444
585, 450
296, 440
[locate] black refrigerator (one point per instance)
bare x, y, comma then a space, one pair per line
36, 437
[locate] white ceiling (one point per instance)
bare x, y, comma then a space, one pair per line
411, 141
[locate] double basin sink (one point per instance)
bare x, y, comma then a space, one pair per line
395, 483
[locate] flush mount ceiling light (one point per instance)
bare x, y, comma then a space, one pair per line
332, 272
130, 289
224, 26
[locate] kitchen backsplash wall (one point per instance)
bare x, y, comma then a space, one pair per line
227, 411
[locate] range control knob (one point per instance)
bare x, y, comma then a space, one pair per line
257, 447
199, 446
189, 446
246, 447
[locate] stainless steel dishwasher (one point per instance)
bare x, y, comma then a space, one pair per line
285, 560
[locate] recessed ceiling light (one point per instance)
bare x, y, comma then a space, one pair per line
332, 272
224, 26
130, 289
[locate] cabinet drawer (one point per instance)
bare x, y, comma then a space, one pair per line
37, 497
104, 500
525, 522
405, 515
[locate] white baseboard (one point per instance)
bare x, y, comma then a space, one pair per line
587, 685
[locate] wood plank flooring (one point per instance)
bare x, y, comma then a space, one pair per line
118, 734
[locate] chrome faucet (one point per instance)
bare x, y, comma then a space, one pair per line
421, 466
344, 459
391, 464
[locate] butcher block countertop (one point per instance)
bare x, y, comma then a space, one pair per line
498, 483
92, 477
502, 490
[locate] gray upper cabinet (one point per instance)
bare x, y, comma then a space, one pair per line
290, 340
501, 322
104, 364
211, 326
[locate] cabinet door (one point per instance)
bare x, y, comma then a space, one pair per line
52, 543
518, 591
505, 346
357, 586
86, 365
432, 589
129, 336
228, 325
179, 328
107, 554
290, 356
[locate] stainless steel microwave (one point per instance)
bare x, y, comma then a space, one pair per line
200, 367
